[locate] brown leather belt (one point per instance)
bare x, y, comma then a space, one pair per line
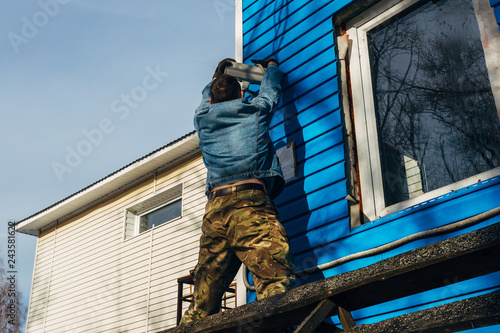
229, 190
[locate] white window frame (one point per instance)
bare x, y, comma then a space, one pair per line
363, 104
133, 214
138, 217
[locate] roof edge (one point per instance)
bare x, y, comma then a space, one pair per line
125, 177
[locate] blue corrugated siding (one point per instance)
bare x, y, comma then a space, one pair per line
496, 8
300, 35
313, 207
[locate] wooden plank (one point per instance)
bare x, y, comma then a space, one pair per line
475, 312
291, 306
437, 275
346, 318
345, 315
316, 316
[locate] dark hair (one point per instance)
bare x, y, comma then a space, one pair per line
225, 88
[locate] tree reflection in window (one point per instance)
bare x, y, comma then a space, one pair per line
434, 105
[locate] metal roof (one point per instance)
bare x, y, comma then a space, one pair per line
119, 180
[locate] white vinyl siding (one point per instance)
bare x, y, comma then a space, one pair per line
87, 278
41, 279
160, 199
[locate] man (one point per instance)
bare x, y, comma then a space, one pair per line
241, 221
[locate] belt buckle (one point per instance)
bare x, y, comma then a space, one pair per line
213, 194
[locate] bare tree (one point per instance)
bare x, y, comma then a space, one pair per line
460, 98
12, 311
433, 98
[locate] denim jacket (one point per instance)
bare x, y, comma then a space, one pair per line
234, 137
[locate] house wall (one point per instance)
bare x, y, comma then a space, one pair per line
496, 8
88, 278
301, 36
313, 207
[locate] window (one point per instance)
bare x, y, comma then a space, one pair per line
159, 215
154, 211
425, 114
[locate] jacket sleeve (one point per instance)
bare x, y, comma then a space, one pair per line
270, 88
205, 98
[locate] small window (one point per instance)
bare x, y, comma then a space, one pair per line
424, 110
160, 215
154, 211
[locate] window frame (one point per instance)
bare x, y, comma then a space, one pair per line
154, 209
152, 203
362, 107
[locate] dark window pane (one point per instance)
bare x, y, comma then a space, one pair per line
436, 116
161, 215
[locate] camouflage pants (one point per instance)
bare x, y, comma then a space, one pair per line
240, 227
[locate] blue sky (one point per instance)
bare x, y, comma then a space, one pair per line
132, 70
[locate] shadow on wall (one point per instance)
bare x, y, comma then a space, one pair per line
293, 131
301, 206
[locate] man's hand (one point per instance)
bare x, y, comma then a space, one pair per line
266, 62
221, 67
